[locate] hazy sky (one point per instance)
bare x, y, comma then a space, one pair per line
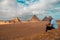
24, 8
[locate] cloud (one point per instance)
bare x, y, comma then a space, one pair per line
42, 5
12, 8
7, 8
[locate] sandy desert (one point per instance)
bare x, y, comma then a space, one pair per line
29, 30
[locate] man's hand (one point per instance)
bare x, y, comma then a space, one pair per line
49, 24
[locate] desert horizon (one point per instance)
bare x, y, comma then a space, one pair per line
17, 20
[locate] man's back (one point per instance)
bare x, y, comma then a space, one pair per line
54, 23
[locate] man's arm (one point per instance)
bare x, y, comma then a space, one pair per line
49, 24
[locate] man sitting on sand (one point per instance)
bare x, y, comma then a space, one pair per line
52, 24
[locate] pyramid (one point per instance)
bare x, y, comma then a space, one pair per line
35, 18
16, 19
58, 20
45, 18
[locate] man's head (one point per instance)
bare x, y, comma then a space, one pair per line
50, 18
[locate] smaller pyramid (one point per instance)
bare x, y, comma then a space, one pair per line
45, 18
16, 19
58, 20
35, 18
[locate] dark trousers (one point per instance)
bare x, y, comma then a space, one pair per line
49, 28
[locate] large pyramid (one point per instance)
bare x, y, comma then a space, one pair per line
35, 18
45, 18
16, 19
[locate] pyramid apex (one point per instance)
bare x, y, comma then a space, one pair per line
45, 18
16, 19
34, 18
